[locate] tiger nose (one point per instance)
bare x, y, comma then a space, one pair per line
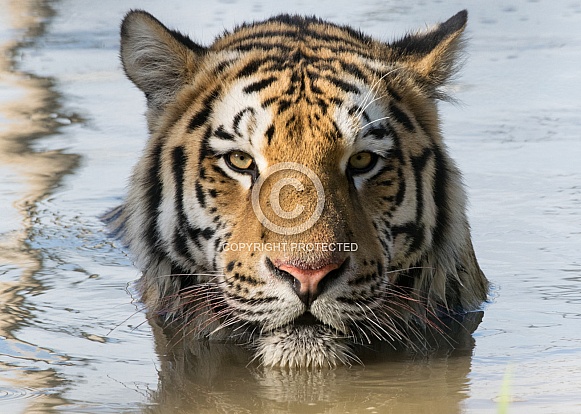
308, 283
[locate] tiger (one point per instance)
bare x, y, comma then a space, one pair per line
295, 195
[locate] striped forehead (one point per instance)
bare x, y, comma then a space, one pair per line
240, 122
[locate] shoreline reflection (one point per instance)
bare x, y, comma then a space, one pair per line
35, 174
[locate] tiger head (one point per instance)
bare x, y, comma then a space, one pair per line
295, 193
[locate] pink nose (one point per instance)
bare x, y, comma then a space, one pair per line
307, 282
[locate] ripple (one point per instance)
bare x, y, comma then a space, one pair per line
8, 393
14, 348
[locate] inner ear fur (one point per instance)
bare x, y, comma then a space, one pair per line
433, 54
159, 61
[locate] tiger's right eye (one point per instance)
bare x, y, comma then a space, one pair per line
240, 162
362, 162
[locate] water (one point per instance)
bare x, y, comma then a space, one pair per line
72, 338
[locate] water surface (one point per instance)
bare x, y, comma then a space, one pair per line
72, 338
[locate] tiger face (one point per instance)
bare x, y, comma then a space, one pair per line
295, 193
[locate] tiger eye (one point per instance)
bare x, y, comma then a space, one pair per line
240, 160
361, 160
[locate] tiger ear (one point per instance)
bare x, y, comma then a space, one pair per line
433, 54
159, 61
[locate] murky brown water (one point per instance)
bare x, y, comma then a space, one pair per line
71, 338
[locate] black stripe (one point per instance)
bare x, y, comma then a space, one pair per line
238, 118
339, 41
201, 117
405, 282
323, 105
200, 196
337, 131
185, 279
314, 75
256, 301
414, 232
249, 69
393, 94
208, 233
195, 232
283, 105
378, 132
365, 116
259, 85
264, 46
343, 85
218, 245
402, 187
230, 266
441, 178
401, 117
153, 196
290, 122
269, 102
353, 70
336, 101
269, 134
253, 66
340, 49
395, 151
418, 164
205, 150
222, 66
179, 160
194, 235
261, 34
384, 169
223, 134
315, 89
220, 171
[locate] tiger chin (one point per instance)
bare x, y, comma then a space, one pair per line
295, 194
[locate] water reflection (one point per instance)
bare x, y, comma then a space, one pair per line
31, 115
199, 377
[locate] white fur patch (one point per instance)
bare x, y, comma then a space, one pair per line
303, 347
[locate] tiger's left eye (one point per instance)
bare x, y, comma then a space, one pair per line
240, 161
362, 162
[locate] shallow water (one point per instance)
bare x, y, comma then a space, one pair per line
72, 338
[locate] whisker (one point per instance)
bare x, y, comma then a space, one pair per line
374, 121
375, 98
126, 319
371, 91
